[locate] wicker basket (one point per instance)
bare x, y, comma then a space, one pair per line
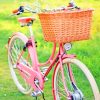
66, 26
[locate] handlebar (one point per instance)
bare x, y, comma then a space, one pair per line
22, 9
18, 11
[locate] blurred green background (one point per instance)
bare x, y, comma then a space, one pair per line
87, 51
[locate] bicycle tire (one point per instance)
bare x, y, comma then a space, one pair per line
19, 82
81, 67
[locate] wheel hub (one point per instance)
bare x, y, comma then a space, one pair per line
77, 95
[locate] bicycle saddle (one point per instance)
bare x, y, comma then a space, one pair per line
26, 20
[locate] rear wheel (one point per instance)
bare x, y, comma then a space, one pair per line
84, 87
15, 48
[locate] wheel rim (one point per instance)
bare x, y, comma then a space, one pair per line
16, 46
80, 81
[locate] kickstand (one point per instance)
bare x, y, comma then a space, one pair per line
36, 97
43, 96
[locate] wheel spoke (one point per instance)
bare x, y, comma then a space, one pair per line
68, 81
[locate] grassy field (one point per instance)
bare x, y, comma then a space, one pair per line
87, 51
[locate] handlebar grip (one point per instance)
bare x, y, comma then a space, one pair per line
15, 11
18, 11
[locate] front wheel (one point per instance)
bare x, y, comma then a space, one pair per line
83, 87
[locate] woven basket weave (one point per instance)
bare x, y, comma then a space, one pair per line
66, 26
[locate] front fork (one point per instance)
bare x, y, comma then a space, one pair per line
76, 94
63, 78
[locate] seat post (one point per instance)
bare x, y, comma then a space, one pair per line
30, 30
27, 21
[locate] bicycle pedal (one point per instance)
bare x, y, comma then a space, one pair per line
36, 93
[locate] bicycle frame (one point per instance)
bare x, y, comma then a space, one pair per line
30, 74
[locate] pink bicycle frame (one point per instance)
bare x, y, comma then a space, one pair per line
31, 74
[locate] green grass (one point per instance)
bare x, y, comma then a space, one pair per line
87, 51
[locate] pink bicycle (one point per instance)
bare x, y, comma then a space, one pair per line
71, 78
